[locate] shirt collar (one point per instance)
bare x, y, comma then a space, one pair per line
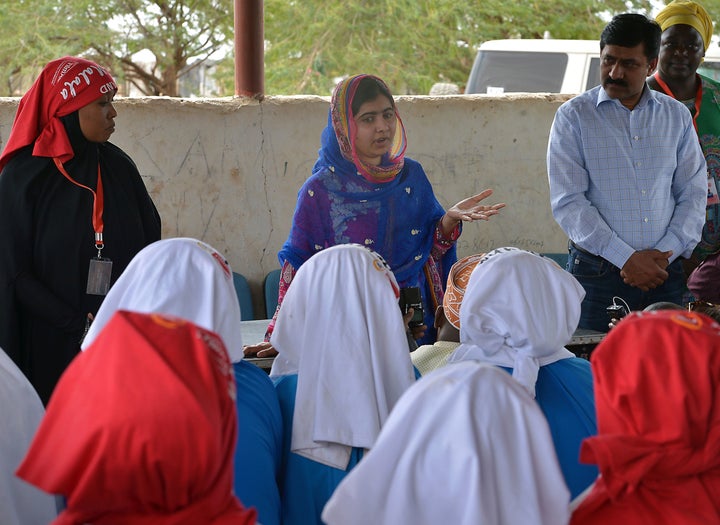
647, 96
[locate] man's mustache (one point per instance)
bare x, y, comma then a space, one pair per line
618, 82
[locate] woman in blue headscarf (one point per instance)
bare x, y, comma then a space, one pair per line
364, 190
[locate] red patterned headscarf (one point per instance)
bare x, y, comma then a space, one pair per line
64, 86
141, 429
657, 396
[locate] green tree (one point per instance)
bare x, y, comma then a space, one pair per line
309, 43
35, 32
410, 43
181, 34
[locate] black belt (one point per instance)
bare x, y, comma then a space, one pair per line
573, 245
596, 257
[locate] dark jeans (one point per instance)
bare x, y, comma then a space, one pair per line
602, 282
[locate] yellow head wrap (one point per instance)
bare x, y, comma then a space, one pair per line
688, 13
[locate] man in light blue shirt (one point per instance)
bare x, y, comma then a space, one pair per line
627, 179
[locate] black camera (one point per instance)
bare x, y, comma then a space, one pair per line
410, 298
616, 311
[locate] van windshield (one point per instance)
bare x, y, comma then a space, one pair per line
710, 70
593, 78
496, 72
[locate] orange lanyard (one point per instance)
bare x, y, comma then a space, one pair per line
698, 96
98, 202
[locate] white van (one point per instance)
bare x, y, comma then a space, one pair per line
548, 66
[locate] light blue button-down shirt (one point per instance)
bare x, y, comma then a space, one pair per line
622, 180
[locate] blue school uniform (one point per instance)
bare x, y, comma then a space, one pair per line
258, 452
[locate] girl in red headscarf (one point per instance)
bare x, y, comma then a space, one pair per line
142, 428
657, 396
73, 213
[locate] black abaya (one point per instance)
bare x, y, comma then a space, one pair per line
47, 241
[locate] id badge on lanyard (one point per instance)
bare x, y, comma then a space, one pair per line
99, 273
712, 194
100, 269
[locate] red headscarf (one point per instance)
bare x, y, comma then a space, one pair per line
657, 396
141, 429
64, 86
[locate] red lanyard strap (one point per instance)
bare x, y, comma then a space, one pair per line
98, 203
668, 91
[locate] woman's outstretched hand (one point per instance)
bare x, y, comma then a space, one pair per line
470, 210
262, 349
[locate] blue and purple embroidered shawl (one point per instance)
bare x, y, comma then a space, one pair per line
397, 219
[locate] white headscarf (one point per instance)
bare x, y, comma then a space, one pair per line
22, 410
341, 330
181, 277
519, 310
465, 445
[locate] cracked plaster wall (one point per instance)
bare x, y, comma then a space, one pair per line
227, 171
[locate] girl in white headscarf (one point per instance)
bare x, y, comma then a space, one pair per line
22, 410
343, 363
519, 311
187, 278
465, 445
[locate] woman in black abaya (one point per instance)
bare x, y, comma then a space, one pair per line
73, 213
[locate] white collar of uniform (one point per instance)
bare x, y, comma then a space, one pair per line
341, 330
519, 310
181, 277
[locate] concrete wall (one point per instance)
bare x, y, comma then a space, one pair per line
227, 171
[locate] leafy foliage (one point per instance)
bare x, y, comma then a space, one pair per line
310, 44
175, 31
182, 35
35, 32
409, 43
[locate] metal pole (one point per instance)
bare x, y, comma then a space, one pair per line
249, 49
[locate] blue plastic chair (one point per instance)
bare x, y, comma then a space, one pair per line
271, 286
244, 296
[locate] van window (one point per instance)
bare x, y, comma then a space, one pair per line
497, 72
710, 70
593, 78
